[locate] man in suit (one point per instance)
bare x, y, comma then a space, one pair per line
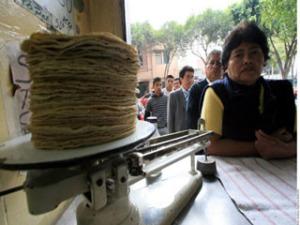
213, 71
178, 100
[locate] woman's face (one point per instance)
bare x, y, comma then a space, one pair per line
246, 63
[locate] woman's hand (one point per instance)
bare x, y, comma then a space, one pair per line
274, 146
283, 135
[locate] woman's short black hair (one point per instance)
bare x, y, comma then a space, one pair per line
184, 70
244, 32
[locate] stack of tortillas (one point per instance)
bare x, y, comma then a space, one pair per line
83, 90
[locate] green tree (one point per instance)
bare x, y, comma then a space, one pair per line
170, 36
173, 38
143, 37
279, 20
246, 10
207, 30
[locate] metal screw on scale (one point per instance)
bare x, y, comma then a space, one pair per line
205, 165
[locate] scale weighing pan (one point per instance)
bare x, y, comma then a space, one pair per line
20, 154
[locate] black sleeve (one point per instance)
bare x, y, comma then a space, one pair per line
286, 113
147, 110
193, 107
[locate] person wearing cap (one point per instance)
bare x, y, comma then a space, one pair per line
250, 116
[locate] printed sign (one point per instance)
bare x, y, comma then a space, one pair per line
21, 82
57, 14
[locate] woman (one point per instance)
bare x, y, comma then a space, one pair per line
249, 115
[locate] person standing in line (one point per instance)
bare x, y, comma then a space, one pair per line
213, 71
178, 100
176, 84
157, 106
168, 85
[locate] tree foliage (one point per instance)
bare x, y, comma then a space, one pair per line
171, 36
279, 20
204, 31
246, 10
142, 34
173, 39
207, 30
142, 37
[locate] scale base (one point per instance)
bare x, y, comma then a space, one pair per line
151, 201
121, 212
161, 201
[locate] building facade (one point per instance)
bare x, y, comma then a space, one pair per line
153, 63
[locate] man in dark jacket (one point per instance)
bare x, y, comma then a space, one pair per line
213, 71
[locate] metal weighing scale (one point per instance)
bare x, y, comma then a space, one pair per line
104, 173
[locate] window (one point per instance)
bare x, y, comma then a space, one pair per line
158, 58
